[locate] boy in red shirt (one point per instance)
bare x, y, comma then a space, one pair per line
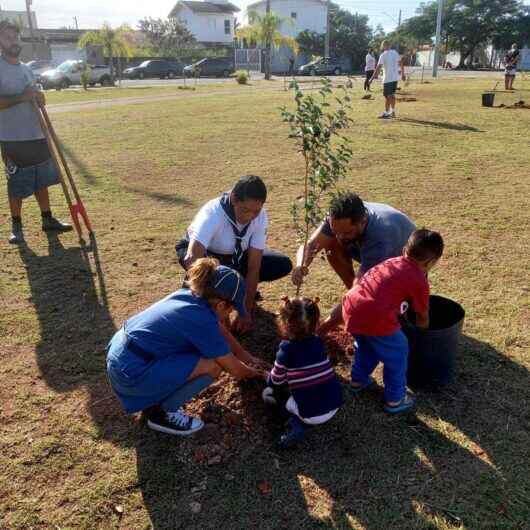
371, 311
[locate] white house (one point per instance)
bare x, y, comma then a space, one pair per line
210, 22
297, 15
19, 17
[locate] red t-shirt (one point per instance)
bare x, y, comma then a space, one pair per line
386, 291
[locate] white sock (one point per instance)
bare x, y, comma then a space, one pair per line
391, 110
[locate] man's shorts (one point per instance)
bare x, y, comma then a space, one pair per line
389, 89
510, 72
24, 182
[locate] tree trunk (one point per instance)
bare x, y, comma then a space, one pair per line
268, 46
111, 65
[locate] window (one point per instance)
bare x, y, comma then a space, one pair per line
228, 30
293, 14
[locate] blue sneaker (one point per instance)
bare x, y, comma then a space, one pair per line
295, 433
406, 404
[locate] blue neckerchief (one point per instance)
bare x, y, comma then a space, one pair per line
228, 209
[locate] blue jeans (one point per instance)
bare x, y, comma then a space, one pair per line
392, 351
24, 182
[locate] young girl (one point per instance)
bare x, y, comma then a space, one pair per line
167, 354
301, 363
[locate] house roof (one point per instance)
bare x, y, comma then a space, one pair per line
259, 2
205, 7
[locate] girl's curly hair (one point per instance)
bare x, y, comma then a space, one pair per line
298, 317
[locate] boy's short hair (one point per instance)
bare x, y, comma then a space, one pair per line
425, 245
6, 25
347, 206
250, 187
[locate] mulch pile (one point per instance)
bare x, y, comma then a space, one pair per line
519, 105
233, 411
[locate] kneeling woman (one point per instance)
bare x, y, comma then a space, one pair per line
167, 354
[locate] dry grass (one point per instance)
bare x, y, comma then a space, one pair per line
69, 456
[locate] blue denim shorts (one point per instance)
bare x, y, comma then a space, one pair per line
24, 182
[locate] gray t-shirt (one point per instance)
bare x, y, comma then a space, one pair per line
385, 235
20, 122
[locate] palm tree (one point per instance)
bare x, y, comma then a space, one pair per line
264, 31
113, 41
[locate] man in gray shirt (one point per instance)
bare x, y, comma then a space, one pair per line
30, 169
366, 232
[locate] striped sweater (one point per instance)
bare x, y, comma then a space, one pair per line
304, 366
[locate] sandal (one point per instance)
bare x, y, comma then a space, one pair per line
407, 403
356, 390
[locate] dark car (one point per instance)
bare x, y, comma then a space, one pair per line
154, 68
322, 66
211, 67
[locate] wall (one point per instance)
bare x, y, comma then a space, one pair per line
310, 15
207, 27
524, 63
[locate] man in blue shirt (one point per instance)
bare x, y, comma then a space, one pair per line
367, 233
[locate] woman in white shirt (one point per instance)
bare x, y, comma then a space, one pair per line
369, 68
233, 229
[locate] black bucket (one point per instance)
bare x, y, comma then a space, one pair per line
433, 351
487, 99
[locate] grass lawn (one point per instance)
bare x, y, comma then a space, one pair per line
71, 459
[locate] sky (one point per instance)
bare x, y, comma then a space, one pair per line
92, 13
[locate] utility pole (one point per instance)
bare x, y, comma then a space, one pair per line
399, 19
268, 47
30, 23
438, 42
328, 31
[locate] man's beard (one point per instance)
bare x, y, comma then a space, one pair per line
13, 51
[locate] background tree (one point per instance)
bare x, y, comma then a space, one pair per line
350, 36
166, 37
264, 30
113, 41
513, 29
467, 24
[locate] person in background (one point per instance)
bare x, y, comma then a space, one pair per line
510, 63
29, 167
391, 63
291, 65
170, 352
371, 312
314, 393
369, 69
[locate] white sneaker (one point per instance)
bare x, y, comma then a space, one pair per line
177, 423
385, 116
268, 396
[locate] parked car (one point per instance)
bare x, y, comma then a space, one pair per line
322, 66
69, 73
154, 68
40, 66
211, 67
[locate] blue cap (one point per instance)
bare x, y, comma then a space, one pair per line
230, 286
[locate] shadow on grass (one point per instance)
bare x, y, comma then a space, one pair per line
462, 461
172, 200
70, 298
440, 125
82, 169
